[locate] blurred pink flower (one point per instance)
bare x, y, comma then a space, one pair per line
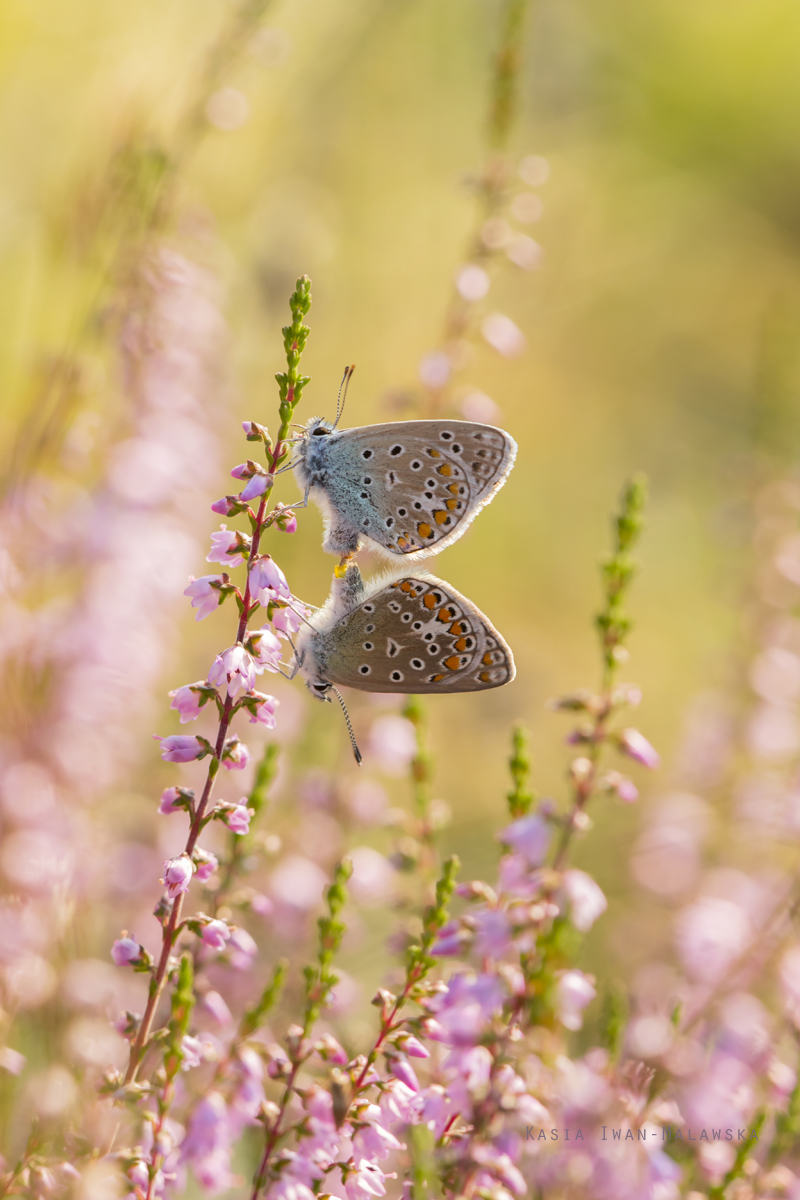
242, 949
216, 934
529, 836
262, 709
636, 746
205, 598
503, 335
789, 975
393, 742
177, 875
586, 900
574, 992
214, 1004
711, 934
180, 748
373, 878
365, 1181
206, 864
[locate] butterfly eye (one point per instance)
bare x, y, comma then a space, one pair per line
320, 431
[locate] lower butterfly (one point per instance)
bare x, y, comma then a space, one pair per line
401, 633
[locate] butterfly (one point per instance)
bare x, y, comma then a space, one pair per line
400, 632
408, 488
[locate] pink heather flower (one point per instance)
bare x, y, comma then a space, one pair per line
636, 746
268, 582
139, 1174
213, 1003
711, 935
402, 1070
188, 700
235, 756
586, 900
463, 1010
216, 935
575, 990
237, 818
789, 976
180, 748
287, 621
234, 669
244, 470
228, 547
623, 787
264, 710
168, 804
365, 1181
126, 951
373, 1140
449, 941
529, 836
207, 1145
205, 598
177, 875
266, 649
206, 864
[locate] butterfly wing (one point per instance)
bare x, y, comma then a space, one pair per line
416, 634
413, 487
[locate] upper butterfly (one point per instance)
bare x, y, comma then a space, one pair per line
409, 488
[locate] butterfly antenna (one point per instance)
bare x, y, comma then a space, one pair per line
340, 399
353, 742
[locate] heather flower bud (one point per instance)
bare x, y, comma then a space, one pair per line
586, 900
127, 1025
256, 433
286, 521
623, 787
247, 470
267, 581
192, 1050
636, 746
138, 1174
181, 748
228, 506
529, 836
257, 486
177, 875
574, 992
329, 1049
235, 755
206, 864
228, 547
173, 799
206, 594
580, 769
126, 951
216, 934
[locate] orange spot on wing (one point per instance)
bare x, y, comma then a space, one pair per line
440, 516
438, 678
487, 658
452, 504
454, 488
403, 543
429, 601
484, 677
457, 627
435, 453
445, 469
424, 530
453, 662
405, 586
461, 644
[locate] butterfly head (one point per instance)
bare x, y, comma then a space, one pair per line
318, 427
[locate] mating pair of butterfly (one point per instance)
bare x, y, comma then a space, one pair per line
408, 489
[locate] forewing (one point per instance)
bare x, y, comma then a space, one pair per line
414, 486
417, 635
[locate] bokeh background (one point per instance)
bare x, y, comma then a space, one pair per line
343, 140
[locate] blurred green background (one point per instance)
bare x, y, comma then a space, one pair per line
661, 325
